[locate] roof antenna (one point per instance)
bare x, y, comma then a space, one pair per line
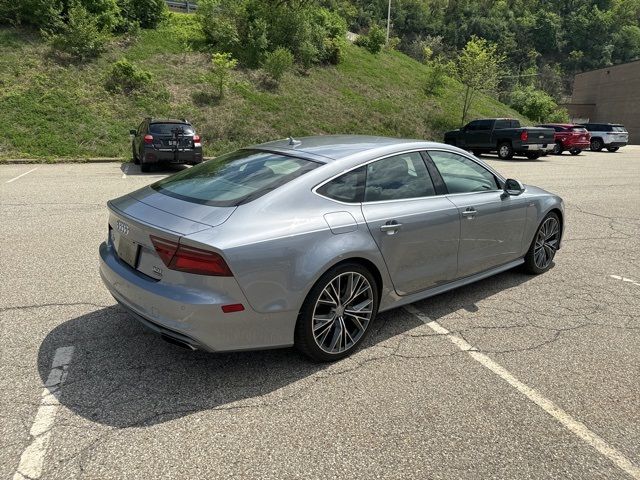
293, 141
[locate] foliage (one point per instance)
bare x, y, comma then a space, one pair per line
437, 74
277, 63
537, 105
374, 40
125, 77
81, 37
146, 13
221, 66
478, 68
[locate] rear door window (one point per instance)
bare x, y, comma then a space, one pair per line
235, 178
170, 129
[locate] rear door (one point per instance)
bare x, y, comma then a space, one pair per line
491, 223
415, 230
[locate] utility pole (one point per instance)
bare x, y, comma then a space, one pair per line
388, 21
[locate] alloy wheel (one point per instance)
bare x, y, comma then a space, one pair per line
546, 243
342, 312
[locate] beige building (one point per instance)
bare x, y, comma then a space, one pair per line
608, 95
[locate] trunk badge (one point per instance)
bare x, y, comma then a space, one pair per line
157, 270
122, 227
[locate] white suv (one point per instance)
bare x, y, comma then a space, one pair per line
611, 136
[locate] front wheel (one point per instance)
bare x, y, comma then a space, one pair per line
596, 144
613, 149
505, 151
337, 313
575, 151
545, 243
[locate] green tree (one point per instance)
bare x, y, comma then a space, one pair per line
277, 63
536, 105
478, 68
221, 66
81, 37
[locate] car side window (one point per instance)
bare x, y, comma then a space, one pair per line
398, 177
347, 188
462, 175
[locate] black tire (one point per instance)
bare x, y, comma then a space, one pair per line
145, 167
575, 151
477, 153
532, 155
505, 151
305, 341
613, 149
530, 264
557, 148
596, 145
136, 160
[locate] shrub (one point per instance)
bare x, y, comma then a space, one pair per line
374, 40
147, 13
536, 104
277, 63
221, 66
80, 37
438, 72
126, 78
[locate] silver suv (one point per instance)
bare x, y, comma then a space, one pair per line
611, 136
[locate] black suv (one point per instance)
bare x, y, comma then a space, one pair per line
165, 141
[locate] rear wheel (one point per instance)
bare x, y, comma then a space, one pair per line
596, 144
575, 151
337, 313
505, 151
136, 160
557, 148
613, 149
533, 155
145, 167
545, 243
477, 153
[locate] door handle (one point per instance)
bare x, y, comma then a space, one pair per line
391, 227
469, 213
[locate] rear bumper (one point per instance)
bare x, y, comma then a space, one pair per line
155, 155
192, 315
537, 147
578, 145
616, 144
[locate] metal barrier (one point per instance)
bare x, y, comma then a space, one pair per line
183, 6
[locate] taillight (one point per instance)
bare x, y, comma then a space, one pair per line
148, 139
196, 139
524, 135
190, 259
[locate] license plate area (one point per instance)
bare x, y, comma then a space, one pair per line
127, 250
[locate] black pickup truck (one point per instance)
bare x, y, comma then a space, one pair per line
503, 135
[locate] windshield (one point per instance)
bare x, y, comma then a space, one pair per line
169, 128
235, 178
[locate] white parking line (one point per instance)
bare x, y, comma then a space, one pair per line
577, 428
32, 459
126, 170
22, 175
625, 279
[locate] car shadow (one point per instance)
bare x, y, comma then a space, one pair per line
514, 159
131, 169
123, 376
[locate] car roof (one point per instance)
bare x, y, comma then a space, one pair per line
326, 148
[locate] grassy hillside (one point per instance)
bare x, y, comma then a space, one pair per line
50, 110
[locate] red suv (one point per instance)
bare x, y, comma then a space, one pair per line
569, 137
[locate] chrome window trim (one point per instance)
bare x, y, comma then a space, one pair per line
413, 150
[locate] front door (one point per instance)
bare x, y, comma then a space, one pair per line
491, 222
416, 231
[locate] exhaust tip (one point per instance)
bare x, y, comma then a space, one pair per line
177, 342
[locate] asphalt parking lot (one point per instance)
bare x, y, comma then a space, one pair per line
513, 377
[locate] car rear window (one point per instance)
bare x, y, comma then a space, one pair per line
235, 178
169, 128
619, 128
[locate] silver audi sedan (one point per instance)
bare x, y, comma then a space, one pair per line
302, 242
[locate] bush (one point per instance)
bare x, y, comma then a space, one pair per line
221, 66
536, 104
125, 77
147, 13
277, 63
374, 40
81, 37
438, 72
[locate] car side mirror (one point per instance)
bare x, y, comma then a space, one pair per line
133, 132
513, 187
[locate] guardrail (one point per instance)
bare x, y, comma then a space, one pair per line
184, 6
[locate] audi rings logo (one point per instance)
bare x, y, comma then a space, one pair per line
122, 227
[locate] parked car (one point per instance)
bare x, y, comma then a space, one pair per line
158, 141
304, 242
503, 135
611, 136
574, 138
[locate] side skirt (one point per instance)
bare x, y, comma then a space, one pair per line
400, 301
